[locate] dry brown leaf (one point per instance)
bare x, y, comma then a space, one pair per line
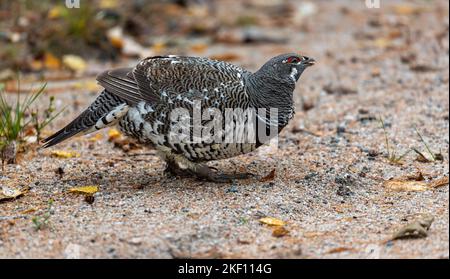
86, 190
199, 48
280, 231
8, 193
416, 177
339, 250
65, 154
439, 182
400, 185
415, 183
314, 234
27, 211
272, 221
269, 177
416, 229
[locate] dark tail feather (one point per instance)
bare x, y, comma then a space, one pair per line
75, 127
104, 111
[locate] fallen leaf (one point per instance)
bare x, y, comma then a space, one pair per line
7, 193
74, 63
416, 229
127, 45
108, 4
51, 62
439, 182
314, 234
96, 137
269, 177
271, 221
339, 250
399, 185
415, 183
382, 42
416, 177
199, 48
404, 9
86, 190
30, 210
159, 47
57, 12
91, 86
65, 154
113, 134
280, 231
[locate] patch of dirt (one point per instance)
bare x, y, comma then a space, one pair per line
330, 164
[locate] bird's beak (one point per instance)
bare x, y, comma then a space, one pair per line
308, 61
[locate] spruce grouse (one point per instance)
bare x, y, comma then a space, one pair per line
142, 101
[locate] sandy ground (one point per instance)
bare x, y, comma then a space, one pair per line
330, 164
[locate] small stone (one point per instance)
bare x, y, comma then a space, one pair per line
232, 189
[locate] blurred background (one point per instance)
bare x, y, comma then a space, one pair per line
373, 110
36, 35
52, 35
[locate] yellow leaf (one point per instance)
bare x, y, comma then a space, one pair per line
407, 9
382, 42
271, 221
158, 47
51, 62
398, 185
91, 86
74, 62
57, 12
7, 193
108, 4
87, 190
96, 137
65, 154
116, 42
113, 134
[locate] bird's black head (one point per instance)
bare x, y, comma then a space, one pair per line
272, 86
286, 67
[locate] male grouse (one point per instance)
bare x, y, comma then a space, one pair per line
141, 101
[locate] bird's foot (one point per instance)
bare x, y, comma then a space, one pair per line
211, 174
172, 170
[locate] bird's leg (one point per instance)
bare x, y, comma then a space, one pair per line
179, 165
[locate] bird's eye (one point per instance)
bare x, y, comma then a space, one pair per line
293, 60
